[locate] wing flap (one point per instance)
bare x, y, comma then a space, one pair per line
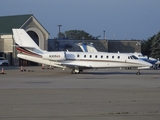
75, 65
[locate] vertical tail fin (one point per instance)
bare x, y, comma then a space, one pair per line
87, 47
23, 40
91, 48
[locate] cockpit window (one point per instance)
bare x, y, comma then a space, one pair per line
133, 57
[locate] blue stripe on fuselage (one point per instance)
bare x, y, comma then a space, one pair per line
148, 60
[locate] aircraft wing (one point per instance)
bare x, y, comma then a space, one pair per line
75, 65
52, 63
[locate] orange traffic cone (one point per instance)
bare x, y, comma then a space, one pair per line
42, 66
21, 69
2, 72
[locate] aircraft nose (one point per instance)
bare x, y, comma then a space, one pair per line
146, 65
149, 64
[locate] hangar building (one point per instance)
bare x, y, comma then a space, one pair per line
27, 22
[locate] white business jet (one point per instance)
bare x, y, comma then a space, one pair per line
90, 48
77, 61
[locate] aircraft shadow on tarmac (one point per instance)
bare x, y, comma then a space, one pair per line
120, 72
107, 73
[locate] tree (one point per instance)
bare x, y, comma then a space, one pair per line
146, 46
61, 35
156, 46
78, 35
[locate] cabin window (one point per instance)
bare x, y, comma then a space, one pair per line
95, 56
84, 56
77, 55
101, 56
107, 57
128, 57
112, 57
90, 56
118, 57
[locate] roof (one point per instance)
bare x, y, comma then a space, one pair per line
9, 22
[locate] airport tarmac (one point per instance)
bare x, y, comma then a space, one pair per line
55, 94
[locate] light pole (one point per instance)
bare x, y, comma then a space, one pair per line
59, 27
59, 31
104, 34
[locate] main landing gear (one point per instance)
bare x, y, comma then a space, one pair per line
138, 73
76, 71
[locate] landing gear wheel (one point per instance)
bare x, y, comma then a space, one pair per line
73, 71
138, 73
80, 71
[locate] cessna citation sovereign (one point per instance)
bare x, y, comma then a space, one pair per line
77, 61
90, 48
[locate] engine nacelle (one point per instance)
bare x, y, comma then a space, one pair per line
55, 56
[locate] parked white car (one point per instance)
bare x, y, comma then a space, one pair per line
4, 62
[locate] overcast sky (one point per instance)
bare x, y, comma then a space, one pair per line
121, 19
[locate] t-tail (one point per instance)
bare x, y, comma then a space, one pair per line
29, 50
25, 44
87, 47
